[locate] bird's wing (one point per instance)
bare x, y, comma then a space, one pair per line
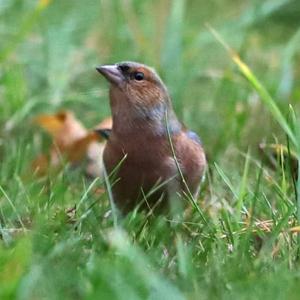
193, 136
104, 133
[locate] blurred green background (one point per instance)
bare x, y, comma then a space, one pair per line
49, 51
48, 54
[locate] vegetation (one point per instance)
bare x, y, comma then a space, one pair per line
58, 237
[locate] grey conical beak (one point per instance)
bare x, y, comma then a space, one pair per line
112, 73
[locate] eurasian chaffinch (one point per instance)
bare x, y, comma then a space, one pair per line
149, 140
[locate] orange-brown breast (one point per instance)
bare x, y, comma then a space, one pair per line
148, 162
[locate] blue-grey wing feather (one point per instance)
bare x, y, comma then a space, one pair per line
104, 133
194, 136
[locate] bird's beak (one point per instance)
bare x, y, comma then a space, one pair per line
111, 73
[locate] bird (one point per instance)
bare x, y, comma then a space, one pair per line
152, 155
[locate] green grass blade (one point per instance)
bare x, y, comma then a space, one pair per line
265, 97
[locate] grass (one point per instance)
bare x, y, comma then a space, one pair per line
249, 247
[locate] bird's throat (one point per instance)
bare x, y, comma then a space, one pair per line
156, 121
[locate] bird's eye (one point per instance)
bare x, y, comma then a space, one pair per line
139, 76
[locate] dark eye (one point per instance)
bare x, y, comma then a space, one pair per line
139, 76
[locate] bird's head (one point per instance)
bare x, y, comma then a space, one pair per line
134, 86
138, 99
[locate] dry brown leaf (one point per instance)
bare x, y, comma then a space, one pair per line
77, 150
64, 128
105, 124
72, 143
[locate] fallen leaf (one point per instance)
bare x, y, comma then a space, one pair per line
64, 128
72, 143
105, 124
